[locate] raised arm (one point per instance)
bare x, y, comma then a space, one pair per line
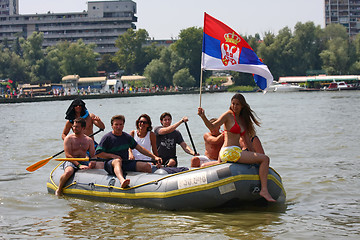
66, 130
171, 128
209, 125
97, 121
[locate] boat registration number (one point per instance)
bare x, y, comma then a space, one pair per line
192, 180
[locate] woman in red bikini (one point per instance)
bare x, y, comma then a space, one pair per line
238, 119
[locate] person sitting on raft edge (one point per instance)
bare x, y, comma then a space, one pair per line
115, 146
234, 120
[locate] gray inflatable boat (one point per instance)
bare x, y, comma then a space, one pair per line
200, 188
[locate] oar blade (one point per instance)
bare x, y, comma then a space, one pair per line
38, 165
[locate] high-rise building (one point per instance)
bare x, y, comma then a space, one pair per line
344, 12
101, 24
9, 7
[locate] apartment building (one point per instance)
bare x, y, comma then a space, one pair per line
9, 7
101, 24
344, 12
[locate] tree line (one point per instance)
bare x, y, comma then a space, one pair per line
307, 49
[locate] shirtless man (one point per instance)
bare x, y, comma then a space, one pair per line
78, 109
75, 146
213, 143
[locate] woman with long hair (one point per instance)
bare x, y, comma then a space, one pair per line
145, 137
237, 120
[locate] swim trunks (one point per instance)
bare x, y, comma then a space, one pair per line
230, 154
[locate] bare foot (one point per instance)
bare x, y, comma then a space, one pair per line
58, 192
267, 196
125, 183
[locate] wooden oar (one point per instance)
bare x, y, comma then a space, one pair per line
41, 163
98, 160
191, 140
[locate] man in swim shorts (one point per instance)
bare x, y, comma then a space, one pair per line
213, 142
76, 145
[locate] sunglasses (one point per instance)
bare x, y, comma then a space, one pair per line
143, 122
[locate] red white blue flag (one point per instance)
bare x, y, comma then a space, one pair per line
224, 49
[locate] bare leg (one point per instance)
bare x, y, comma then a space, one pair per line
263, 160
143, 167
171, 163
69, 171
209, 163
117, 164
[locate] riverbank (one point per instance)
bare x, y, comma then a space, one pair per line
98, 96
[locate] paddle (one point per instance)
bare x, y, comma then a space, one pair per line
191, 140
41, 163
97, 160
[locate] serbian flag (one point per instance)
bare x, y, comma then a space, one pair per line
224, 49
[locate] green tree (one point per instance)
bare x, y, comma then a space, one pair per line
78, 58
277, 53
157, 73
53, 60
107, 63
130, 53
355, 66
170, 62
12, 67
34, 57
335, 31
336, 57
189, 47
243, 79
183, 78
305, 47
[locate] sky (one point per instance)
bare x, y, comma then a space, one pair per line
164, 19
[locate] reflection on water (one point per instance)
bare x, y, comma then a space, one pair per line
312, 140
128, 222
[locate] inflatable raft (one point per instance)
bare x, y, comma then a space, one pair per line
200, 188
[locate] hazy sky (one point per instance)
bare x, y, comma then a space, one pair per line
163, 19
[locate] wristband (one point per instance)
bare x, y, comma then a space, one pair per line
78, 166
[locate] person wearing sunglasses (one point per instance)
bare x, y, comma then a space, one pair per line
145, 137
77, 109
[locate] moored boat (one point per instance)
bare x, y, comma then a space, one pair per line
337, 86
200, 188
284, 87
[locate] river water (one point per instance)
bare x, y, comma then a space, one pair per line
312, 139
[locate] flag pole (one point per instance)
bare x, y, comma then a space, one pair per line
201, 77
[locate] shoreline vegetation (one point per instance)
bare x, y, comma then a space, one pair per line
100, 96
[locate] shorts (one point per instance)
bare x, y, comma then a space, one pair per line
230, 154
205, 159
165, 160
71, 164
127, 166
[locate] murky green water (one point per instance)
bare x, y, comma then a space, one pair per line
311, 138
